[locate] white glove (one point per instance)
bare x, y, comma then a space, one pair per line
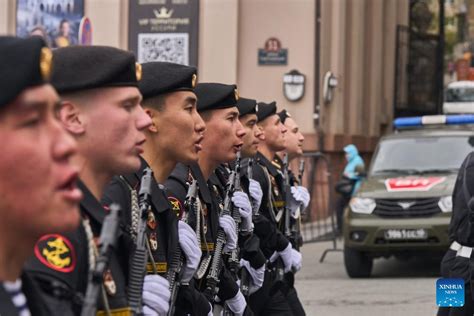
211, 312
147, 311
286, 255
242, 202
156, 295
227, 224
256, 193
296, 260
237, 304
257, 275
300, 197
191, 249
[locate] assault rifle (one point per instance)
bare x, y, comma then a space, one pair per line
107, 241
176, 265
140, 257
255, 209
234, 258
212, 279
296, 225
287, 188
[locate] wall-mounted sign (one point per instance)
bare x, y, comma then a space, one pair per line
293, 85
272, 53
164, 30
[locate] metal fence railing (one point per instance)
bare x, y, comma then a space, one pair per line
319, 219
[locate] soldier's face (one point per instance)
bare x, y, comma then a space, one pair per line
252, 134
114, 124
178, 127
294, 139
37, 182
274, 132
224, 134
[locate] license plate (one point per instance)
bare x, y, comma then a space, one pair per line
405, 234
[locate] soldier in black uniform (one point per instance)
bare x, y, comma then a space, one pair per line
251, 257
272, 207
101, 109
169, 100
456, 262
216, 104
37, 163
300, 197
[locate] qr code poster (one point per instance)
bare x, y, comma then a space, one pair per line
170, 47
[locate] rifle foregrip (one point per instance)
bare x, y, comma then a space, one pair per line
136, 279
173, 297
90, 300
173, 275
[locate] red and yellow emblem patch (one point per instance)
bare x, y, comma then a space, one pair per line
56, 252
176, 206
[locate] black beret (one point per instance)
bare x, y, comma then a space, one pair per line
246, 106
25, 62
87, 67
283, 114
212, 96
265, 110
162, 77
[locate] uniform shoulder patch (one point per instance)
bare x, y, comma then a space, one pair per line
176, 206
56, 252
276, 164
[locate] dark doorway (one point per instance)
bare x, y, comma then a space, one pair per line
419, 61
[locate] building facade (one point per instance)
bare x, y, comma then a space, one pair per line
352, 39
346, 50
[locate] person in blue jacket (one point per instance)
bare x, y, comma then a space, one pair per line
350, 181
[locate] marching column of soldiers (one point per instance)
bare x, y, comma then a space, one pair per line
131, 189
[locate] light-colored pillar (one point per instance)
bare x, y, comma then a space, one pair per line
218, 39
334, 42
106, 21
3, 17
355, 37
7, 17
403, 12
374, 65
390, 14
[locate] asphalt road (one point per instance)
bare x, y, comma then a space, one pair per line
396, 288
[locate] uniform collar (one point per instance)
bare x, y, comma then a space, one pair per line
158, 196
277, 162
203, 188
90, 205
267, 164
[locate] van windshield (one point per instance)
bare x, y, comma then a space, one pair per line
462, 94
420, 155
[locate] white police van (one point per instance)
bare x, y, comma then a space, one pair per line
459, 97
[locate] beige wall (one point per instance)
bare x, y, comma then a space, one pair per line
294, 26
